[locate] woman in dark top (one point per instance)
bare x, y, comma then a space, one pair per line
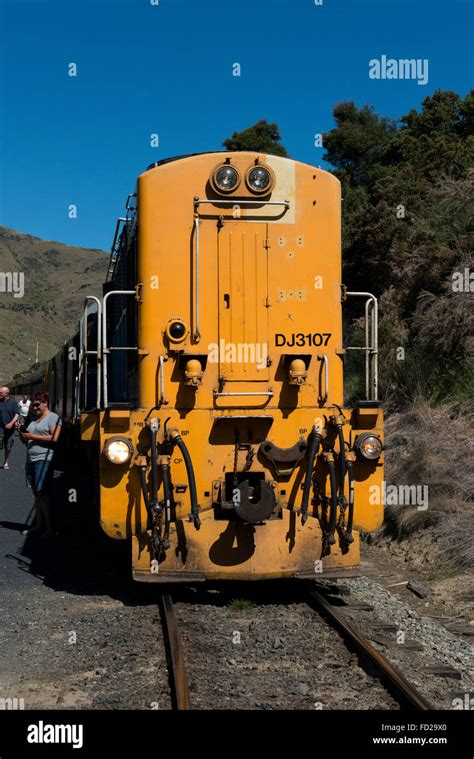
41, 435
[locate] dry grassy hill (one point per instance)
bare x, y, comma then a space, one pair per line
56, 279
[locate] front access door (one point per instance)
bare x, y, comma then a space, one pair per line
242, 255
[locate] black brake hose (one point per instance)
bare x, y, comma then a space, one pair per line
350, 517
194, 516
154, 469
312, 453
333, 512
342, 461
144, 489
165, 474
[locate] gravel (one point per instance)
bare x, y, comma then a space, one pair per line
439, 645
271, 656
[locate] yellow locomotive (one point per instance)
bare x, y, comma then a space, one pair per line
209, 376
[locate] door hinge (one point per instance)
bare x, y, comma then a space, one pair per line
266, 243
267, 302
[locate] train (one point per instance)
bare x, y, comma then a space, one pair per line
207, 381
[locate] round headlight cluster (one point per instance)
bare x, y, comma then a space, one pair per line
118, 450
369, 446
259, 180
226, 178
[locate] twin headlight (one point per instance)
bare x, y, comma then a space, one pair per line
118, 450
368, 446
225, 178
258, 179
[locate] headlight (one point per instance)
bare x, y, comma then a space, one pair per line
259, 180
369, 446
176, 330
225, 178
118, 450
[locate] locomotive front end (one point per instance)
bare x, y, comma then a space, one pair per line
239, 460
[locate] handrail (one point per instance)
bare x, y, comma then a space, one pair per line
234, 202
78, 379
371, 343
161, 376
105, 349
196, 333
128, 207
218, 394
85, 353
325, 364
113, 251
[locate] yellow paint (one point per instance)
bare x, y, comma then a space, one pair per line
238, 551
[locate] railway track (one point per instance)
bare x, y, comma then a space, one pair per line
400, 688
379, 667
181, 700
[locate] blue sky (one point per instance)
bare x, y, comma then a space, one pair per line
167, 69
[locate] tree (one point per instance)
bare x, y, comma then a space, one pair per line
408, 198
358, 142
262, 137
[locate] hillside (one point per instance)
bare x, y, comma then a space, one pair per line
56, 279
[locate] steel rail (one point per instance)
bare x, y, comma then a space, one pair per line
402, 687
182, 700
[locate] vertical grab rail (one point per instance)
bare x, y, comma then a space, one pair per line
161, 377
371, 347
98, 352
325, 365
84, 354
105, 349
196, 332
78, 378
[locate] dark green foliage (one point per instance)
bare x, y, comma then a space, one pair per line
408, 193
262, 137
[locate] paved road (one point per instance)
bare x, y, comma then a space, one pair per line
76, 632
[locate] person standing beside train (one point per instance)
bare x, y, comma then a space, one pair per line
9, 413
24, 406
41, 437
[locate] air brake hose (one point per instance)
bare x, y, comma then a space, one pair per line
342, 461
154, 471
142, 469
165, 474
154, 506
333, 512
194, 516
316, 437
350, 518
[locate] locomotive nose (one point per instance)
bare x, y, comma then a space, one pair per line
254, 503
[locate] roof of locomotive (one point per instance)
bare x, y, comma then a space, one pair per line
203, 152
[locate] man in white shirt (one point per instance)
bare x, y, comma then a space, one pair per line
24, 406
